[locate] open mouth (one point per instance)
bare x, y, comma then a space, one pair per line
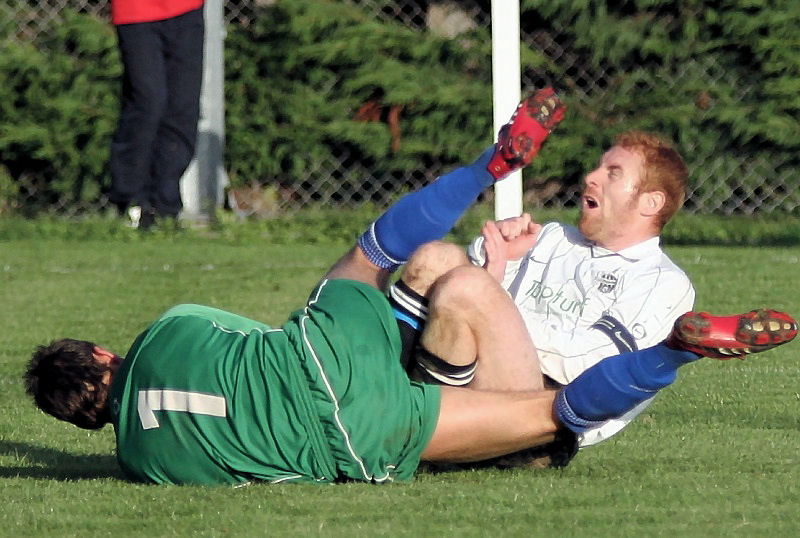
590, 202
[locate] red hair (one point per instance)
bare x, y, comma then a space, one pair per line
664, 170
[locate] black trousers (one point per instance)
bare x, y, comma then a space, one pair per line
157, 129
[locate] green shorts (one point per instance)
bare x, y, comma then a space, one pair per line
376, 421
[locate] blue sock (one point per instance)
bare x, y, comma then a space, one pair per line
424, 215
617, 384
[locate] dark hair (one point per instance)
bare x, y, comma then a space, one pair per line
66, 381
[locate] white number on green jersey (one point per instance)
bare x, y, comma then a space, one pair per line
199, 403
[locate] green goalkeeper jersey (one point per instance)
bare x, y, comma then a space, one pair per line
209, 397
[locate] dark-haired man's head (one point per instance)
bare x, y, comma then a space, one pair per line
69, 379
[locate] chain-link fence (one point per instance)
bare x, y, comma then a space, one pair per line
767, 180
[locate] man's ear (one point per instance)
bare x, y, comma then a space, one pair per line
651, 203
103, 355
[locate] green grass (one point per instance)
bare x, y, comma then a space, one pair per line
716, 454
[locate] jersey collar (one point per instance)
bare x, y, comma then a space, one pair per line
632, 253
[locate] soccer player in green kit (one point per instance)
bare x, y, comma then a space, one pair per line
205, 396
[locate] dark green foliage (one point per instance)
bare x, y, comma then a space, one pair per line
720, 78
58, 106
298, 76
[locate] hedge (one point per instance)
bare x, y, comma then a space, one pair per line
303, 77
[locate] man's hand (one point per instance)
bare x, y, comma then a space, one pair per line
508, 239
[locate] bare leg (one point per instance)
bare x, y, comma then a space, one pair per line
473, 317
476, 425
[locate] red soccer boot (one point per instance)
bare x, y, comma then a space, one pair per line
725, 337
520, 139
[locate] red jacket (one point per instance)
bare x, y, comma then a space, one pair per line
130, 11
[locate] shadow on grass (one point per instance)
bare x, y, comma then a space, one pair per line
48, 463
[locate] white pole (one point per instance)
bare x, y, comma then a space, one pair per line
204, 181
506, 92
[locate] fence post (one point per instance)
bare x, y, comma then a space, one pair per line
203, 183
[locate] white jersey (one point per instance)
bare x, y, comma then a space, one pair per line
582, 303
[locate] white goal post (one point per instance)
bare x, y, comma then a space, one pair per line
506, 94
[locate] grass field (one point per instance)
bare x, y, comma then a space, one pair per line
716, 454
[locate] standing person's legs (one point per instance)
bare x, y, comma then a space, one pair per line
144, 97
177, 133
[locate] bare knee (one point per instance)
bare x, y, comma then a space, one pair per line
431, 261
463, 287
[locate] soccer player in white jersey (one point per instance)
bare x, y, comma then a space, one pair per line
585, 293
606, 287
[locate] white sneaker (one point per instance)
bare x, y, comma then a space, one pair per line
134, 215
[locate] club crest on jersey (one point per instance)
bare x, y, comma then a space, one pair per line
607, 283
